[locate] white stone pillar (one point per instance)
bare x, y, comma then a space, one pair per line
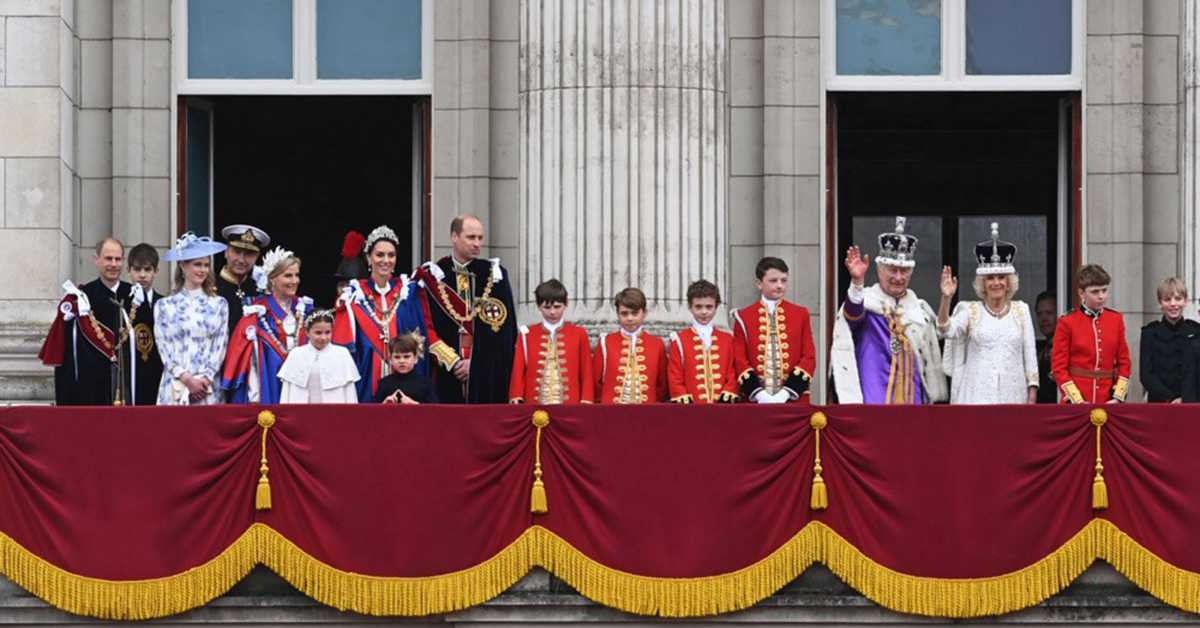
1190, 164
623, 149
39, 100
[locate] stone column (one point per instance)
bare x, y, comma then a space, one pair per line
623, 151
39, 99
1190, 163
141, 126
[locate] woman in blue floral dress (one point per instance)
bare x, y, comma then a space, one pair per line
190, 326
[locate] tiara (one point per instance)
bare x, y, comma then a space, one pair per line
420, 342
382, 232
274, 258
318, 316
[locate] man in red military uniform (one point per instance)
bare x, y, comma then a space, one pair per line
700, 358
1090, 356
773, 347
553, 360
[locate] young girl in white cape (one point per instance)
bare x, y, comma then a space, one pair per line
320, 371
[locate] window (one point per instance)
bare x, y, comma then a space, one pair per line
889, 37
233, 39
950, 45
1018, 37
303, 46
368, 39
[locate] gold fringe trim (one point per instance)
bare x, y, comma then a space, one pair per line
130, 599
382, 596
667, 597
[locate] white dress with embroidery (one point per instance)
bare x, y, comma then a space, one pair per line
192, 334
990, 359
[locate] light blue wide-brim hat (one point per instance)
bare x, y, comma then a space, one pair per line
191, 246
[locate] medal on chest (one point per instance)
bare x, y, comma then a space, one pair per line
492, 312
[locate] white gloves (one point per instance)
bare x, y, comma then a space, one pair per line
763, 396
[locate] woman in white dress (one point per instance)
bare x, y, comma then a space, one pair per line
990, 351
190, 326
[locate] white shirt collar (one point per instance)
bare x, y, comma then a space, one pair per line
634, 334
553, 329
705, 332
770, 304
197, 292
382, 291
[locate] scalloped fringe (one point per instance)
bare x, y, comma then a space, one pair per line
667, 597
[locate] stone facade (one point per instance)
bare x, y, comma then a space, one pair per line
1132, 143
719, 148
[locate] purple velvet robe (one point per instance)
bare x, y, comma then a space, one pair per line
886, 378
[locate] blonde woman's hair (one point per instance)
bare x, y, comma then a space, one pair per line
1014, 282
1170, 287
283, 265
210, 282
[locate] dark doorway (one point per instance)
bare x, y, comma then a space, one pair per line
308, 169
953, 163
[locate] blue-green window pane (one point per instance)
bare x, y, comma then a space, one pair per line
369, 39
889, 37
240, 39
1018, 36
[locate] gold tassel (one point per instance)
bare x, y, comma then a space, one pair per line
1099, 493
1099, 490
820, 494
262, 496
537, 498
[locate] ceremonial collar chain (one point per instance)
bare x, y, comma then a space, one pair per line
384, 317
471, 311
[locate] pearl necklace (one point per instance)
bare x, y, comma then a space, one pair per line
1001, 314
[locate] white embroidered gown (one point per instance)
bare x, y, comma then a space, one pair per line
990, 360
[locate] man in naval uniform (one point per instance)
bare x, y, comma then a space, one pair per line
236, 282
885, 346
472, 309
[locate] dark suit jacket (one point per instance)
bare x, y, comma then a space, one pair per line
1164, 352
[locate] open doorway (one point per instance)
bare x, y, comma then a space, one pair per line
953, 163
306, 170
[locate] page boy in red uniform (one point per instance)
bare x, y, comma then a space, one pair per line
553, 361
772, 340
1091, 358
630, 365
700, 365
